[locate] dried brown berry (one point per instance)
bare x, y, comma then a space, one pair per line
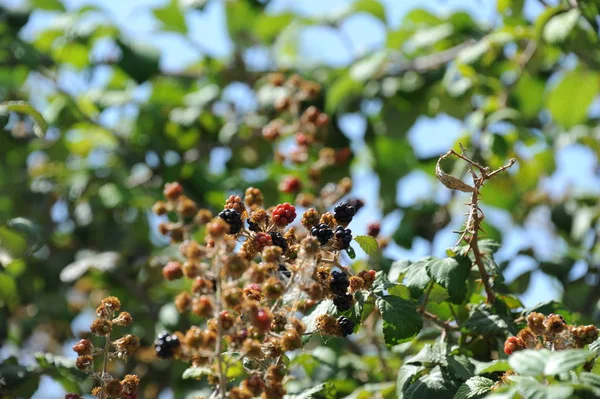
83, 347
84, 362
124, 319
172, 270
173, 191
101, 327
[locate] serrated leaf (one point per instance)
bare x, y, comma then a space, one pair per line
381, 282
560, 26
40, 127
482, 321
529, 362
416, 277
401, 321
437, 384
430, 355
595, 346
368, 244
474, 387
196, 372
563, 361
451, 273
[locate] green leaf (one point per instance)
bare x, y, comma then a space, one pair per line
490, 367
321, 391
570, 100
48, 5
172, 17
141, 62
368, 244
437, 384
416, 277
451, 273
197, 372
31, 230
381, 282
563, 361
405, 375
482, 321
373, 7
474, 387
560, 26
341, 92
401, 321
544, 362
40, 127
529, 362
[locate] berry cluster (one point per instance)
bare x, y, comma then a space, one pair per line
166, 344
239, 291
120, 348
550, 332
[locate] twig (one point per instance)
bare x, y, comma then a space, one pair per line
218, 349
105, 365
436, 320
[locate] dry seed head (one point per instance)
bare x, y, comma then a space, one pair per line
101, 327
123, 320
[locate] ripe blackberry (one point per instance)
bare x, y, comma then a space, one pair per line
233, 218
284, 214
344, 213
339, 283
278, 240
322, 232
166, 344
344, 236
346, 325
343, 302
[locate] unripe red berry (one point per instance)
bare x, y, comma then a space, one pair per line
284, 214
290, 184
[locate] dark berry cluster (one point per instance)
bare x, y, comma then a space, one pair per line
343, 302
166, 344
339, 286
279, 240
233, 218
322, 232
339, 283
343, 236
346, 325
344, 213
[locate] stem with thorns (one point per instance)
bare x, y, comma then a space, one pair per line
470, 234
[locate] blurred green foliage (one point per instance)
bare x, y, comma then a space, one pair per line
75, 190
